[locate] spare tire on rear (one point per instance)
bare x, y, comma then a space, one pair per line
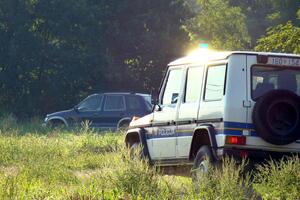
276, 117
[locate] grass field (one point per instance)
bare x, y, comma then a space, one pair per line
38, 163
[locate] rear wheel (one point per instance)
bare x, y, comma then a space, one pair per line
203, 161
123, 126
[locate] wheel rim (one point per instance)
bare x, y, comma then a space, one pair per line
203, 166
282, 118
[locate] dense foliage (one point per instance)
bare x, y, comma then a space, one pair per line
53, 53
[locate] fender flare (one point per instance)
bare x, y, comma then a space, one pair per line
212, 138
59, 118
122, 120
142, 137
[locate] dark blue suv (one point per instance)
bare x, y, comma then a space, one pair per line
105, 111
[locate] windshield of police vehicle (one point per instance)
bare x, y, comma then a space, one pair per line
267, 78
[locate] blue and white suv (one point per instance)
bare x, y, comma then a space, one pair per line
105, 111
212, 104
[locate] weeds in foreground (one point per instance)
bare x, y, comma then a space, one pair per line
279, 180
229, 180
85, 164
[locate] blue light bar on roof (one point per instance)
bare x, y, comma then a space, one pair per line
203, 46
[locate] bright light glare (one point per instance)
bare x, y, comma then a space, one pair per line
203, 45
201, 53
205, 54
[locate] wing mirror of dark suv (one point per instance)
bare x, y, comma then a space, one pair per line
76, 108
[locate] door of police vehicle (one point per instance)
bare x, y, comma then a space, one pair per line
163, 137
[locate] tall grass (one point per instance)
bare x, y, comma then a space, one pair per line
279, 180
227, 181
80, 164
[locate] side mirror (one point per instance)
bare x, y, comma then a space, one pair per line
76, 108
157, 107
155, 102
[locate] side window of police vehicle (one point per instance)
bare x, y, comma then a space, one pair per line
91, 103
215, 83
172, 88
193, 84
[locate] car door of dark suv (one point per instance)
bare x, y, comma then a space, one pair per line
114, 109
89, 110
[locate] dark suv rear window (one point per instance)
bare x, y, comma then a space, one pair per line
267, 78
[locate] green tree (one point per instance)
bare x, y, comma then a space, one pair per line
50, 53
55, 52
262, 14
145, 36
222, 25
281, 38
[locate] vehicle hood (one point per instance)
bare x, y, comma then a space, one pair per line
141, 122
62, 113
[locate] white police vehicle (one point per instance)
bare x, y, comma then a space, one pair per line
243, 104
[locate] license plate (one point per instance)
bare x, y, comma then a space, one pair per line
284, 61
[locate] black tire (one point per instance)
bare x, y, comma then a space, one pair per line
276, 117
202, 162
56, 124
123, 126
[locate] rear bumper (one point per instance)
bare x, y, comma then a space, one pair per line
253, 154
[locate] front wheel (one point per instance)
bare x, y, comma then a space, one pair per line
136, 151
56, 124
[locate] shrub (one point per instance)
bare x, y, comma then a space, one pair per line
228, 181
278, 180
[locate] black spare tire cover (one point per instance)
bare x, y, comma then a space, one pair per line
276, 117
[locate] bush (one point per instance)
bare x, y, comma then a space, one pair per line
228, 181
278, 180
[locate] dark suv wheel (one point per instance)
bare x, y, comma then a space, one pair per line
56, 124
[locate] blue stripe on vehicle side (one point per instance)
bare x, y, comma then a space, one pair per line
250, 127
229, 132
185, 133
226, 128
238, 125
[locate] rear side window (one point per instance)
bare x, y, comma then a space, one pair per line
267, 78
114, 103
215, 83
133, 103
147, 100
193, 84
172, 88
